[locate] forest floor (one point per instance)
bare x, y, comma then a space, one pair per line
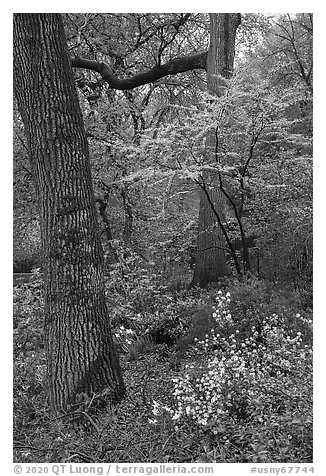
276, 425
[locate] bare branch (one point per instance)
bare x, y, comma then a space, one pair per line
175, 66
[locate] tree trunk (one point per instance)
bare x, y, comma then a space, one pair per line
112, 256
80, 353
127, 228
211, 259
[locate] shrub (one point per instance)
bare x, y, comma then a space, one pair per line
259, 379
140, 302
29, 354
28, 314
254, 300
131, 287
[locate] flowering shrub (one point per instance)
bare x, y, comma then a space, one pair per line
124, 337
262, 376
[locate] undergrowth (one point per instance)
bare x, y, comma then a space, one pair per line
211, 376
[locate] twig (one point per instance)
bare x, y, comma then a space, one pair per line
81, 455
76, 414
17, 447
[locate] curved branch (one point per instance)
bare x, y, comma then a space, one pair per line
175, 66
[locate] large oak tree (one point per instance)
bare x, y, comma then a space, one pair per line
80, 353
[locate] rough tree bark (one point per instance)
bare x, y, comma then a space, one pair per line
210, 263
80, 352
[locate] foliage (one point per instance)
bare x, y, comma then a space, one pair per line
147, 145
25, 222
241, 391
264, 149
145, 310
231, 378
29, 354
28, 313
261, 375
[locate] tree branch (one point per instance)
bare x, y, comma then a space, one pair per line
175, 66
